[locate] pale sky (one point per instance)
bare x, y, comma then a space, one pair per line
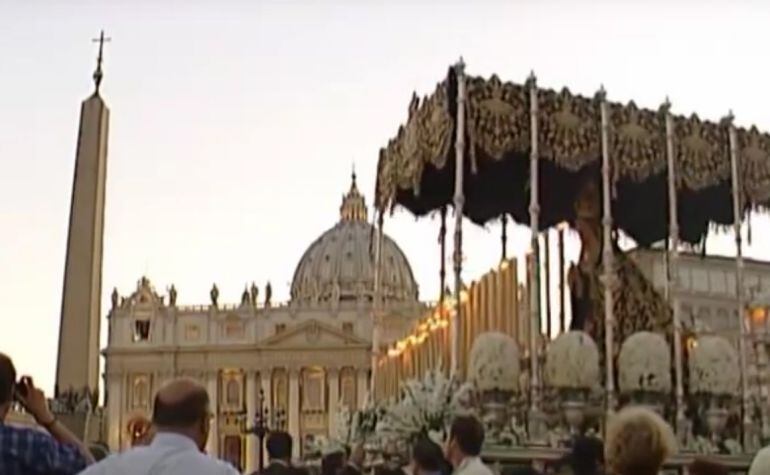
234, 125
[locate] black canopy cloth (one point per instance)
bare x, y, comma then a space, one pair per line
416, 168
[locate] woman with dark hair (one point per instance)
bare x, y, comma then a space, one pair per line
332, 463
428, 458
586, 456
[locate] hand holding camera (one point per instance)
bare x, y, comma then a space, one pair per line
34, 401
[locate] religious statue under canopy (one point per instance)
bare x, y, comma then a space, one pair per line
637, 305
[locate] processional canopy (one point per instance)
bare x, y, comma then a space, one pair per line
416, 168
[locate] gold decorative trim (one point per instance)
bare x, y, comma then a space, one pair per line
498, 123
497, 118
754, 150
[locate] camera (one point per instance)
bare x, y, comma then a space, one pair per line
22, 387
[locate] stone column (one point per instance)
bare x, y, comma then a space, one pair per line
333, 378
114, 409
251, 410
212, 381
362, 387
294, 409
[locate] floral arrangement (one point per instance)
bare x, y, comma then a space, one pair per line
426, 408
494, 363
572, 362
644, 364
714, 367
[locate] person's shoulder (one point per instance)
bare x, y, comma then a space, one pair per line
31, 437
108, 464
299, 471
10, 430
761, 463
214, 464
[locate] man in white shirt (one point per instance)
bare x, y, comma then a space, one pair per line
463, 449
761, 463
181, 417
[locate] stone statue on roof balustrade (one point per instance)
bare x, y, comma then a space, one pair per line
172, 296
245, 297
214, 294
254, 294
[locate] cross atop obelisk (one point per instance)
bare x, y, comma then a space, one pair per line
98, 73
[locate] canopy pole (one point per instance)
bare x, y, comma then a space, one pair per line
376, 306
737, 208
672, 274
547, 252
442, 244
504, 236
459, 201
608, 259
534, 267
562, 289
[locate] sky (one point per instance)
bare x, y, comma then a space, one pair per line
235, 124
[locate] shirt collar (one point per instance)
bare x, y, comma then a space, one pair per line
279, 462
169, 439
466, 462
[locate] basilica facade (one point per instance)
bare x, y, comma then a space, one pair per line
299, 361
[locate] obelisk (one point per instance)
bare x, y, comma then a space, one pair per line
78, 360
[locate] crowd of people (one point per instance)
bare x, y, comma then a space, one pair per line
638, 442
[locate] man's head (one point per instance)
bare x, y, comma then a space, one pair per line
7, 384
182, 407
279, 446
426, 456
587, 455
466, 436
638, 442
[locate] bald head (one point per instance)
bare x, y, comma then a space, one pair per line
179, 404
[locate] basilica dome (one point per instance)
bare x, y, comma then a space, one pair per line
339, 265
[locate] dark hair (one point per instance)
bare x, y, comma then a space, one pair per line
331, 464
427, 455
468, 432
7, 378
520, 470
279, 445
587, 455
707, 467
186, 412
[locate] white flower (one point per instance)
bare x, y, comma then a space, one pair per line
494, 362
572, 362
427, 406
644, 363
714, 366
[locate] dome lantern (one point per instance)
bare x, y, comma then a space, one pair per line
353, 204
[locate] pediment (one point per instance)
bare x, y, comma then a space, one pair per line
312, 334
